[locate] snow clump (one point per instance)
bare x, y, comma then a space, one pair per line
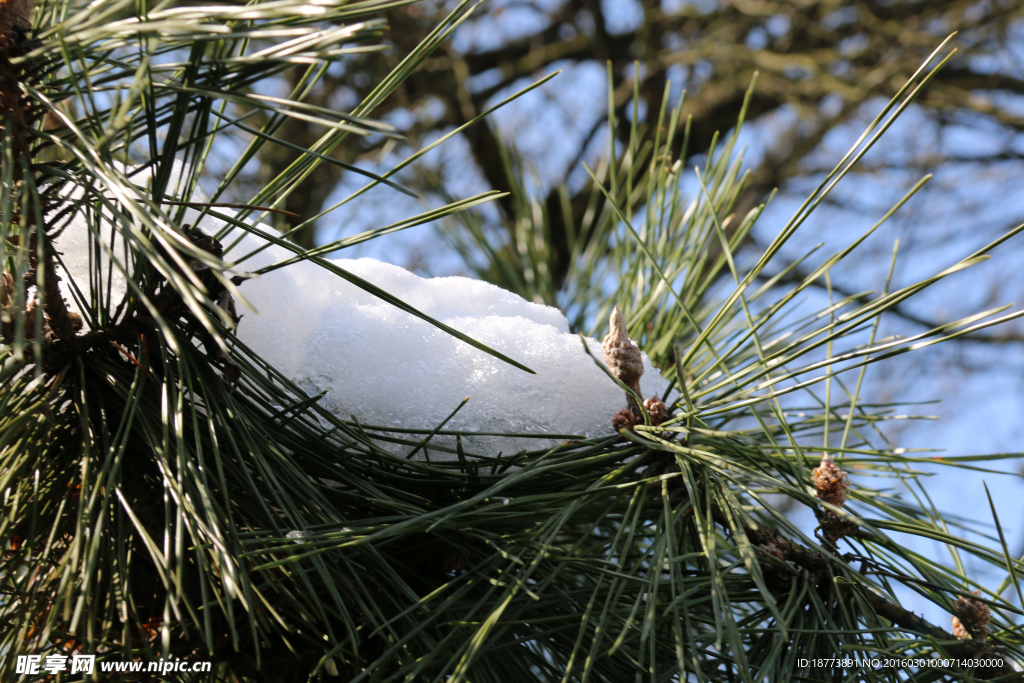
389, 368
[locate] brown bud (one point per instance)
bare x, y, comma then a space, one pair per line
972, 618
624, 419
656, 409
623, 357
830, 482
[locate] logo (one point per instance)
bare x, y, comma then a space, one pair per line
54, 664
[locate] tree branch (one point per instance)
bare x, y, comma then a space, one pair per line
797, 276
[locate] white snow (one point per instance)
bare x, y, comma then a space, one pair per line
389, 368
73, 241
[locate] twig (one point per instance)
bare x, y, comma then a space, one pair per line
816, 562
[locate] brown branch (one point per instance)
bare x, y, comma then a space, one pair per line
16, 114
817, 563
797, 276
772, 547
63, 324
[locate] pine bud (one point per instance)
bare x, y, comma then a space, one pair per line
656, 409
830, 482
623, 358
624, 419
972, 618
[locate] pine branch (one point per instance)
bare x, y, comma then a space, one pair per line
155, 510
819, 564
